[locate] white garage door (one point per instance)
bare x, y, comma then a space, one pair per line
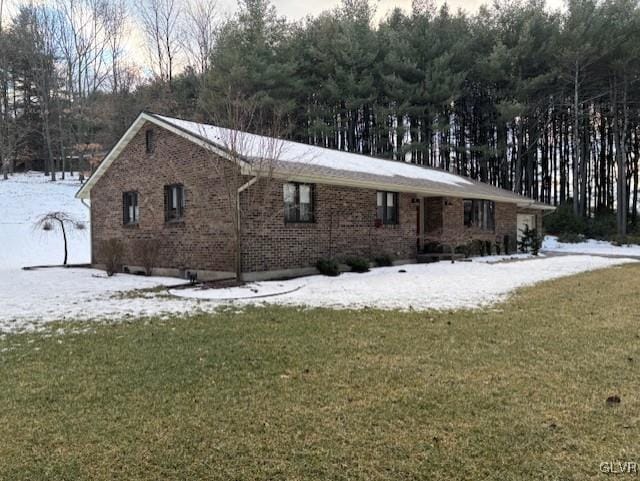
524, 220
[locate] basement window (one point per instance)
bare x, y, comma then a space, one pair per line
130, 209
387, 208
480, 214
173, 202
298, 202
150, 141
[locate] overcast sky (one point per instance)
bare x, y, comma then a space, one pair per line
297, 9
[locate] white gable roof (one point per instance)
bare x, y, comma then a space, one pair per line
297, 161
254, 146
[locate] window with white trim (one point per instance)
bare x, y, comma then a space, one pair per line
130, 209
173, 202
298, 202
387, 207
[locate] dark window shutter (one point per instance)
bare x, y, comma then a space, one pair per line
397, 210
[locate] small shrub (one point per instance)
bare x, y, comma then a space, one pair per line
113, 252
482, 248
603, 225
535, 241
531, 241
147, 252
328, 267
475, 248
358, 264
633, 239
570, 238
508, 244
625, 240
464, 249
384, 261
433, 248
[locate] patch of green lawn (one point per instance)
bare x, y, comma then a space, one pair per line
516, 392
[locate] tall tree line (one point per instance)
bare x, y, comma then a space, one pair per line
540, 102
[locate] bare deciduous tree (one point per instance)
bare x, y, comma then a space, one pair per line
53, 221
247, 173
43, 26
160, 24
84, 41
199, 32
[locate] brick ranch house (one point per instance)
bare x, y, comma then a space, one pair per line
167, 180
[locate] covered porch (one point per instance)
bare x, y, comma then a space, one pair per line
469, 227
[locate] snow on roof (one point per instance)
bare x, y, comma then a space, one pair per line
255, 146
307, 163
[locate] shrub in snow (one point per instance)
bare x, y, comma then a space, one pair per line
531, 241
570, 238
147, 252
564, 220
384, 261
59, 220
358, 264
627, 240
603, 225
113, 251
328, 267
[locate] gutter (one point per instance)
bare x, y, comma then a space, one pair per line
84, 202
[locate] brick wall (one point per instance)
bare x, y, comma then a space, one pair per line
447, 226
202, 240
344, 226
344, 217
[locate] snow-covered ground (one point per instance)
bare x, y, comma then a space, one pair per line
590, 246
25, 197
30, 299
420, 286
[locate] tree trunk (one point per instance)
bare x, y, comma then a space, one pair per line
576, 141
64, 236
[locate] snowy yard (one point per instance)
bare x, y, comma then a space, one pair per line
31, 298
420, 287
591, 246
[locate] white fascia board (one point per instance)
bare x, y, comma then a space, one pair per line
113, 154
363, 184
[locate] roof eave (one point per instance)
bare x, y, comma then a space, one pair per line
363, 184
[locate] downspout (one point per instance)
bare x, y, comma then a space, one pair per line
84, 202
241, 189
